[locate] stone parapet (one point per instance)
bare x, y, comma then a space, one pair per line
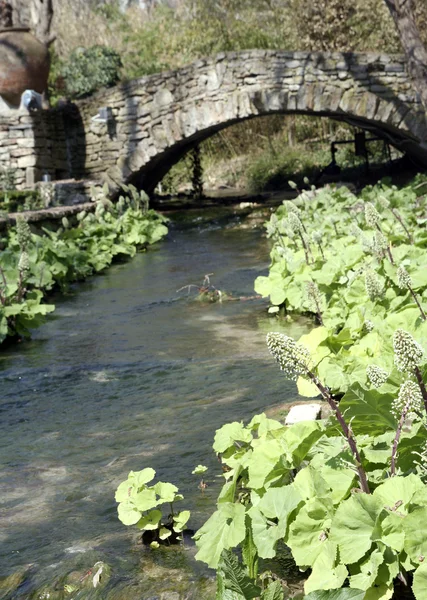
134, 132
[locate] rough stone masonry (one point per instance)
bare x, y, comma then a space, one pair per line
153, 121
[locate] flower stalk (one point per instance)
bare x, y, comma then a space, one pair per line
315, 300
346, 430
408, 356
294, 361
410, 399
405, 282
398, 218
421, 385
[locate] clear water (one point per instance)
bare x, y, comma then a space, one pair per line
129, 374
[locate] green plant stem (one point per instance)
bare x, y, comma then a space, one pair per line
21, 289
415, 297
335, 227
399, 218
321, 251
280, 239
390, 255
3, 296
346, 430
303, 227
306, 248
423, 389
319, 313
397, 438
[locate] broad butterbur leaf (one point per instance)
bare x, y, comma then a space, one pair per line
356, 525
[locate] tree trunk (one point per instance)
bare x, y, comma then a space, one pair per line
41, 18
402, 12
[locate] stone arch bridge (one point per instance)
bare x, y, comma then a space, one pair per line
155, 120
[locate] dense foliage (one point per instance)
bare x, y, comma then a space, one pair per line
19, 200
31, 265
166, 38
89, 69
347, 494
356, 265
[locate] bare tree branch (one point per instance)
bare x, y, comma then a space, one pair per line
403, 15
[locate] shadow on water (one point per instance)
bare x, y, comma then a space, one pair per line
130, 374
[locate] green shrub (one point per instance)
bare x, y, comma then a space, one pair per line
31, 265
7, 179
18, 200
273, 170
89, 69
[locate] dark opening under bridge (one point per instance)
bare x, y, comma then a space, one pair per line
155, 120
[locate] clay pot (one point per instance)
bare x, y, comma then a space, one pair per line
24, 64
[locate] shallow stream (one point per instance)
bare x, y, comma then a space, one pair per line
128, 373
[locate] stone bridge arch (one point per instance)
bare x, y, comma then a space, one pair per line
157, 119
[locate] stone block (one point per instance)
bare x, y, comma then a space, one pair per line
303, 412
32, 175
18, 152
26, 161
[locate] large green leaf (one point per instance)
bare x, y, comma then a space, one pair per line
415, 538
269, 518
150, 521
265, 533
230, 433
273, 592
166, 491
180, 520
397, 492
355, 526
368, 410
225, 529
140, 478
264, 458
128, 513
145, 499
300, 438
326, 574
308, 532
339, 479
235, 578
419, 585
279, 503
368, 571
343, 594
310, 484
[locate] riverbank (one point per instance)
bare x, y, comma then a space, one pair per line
35, 262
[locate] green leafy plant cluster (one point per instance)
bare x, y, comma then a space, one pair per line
347, 495
356, 264
89, 69
139, 505
31, 265
7, 179
19, 200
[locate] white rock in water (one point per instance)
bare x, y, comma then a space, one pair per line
303, 412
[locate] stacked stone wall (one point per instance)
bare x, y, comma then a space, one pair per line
33, 144
156, 119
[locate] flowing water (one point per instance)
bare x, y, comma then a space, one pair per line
128, 373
